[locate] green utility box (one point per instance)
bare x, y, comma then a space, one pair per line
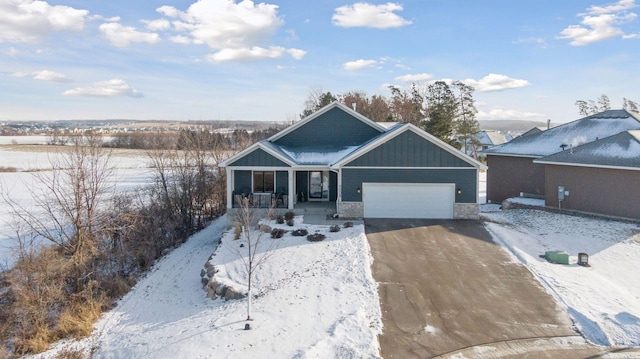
558, 257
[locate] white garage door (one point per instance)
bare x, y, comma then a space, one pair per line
408, 200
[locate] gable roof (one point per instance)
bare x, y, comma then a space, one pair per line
263, 145
320, 112
576, 133
490, 138
335, 156
618, 151
398, 130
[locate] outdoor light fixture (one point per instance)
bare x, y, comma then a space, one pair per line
459, 191
358, 190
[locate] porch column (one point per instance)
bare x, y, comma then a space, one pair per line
229, 187
291, 189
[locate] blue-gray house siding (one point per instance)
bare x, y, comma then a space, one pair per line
408, 150
334, 128
258, 158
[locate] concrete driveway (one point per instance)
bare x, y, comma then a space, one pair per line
445, 288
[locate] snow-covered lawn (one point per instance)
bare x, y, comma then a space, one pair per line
603, 299
314, 300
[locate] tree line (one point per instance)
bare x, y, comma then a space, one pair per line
590, 107
445, 110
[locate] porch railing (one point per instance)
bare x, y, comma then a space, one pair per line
262, 200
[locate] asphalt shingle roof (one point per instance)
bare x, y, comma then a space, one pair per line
620, 150
570, 134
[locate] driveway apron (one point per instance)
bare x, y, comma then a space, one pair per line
445, 286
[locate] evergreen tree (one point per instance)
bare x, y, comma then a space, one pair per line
466, 124
441, 110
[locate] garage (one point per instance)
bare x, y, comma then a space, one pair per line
408, 200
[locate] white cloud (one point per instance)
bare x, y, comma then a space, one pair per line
44, 75
157, 25
237, 31
47, 75
111, 88
601, 23
180, 39
254, 53
223, 24
168, 11
621, 5
532, 40
415, 77
497, 113
496, 82
363, 14
31, 21
358, 64
121, 36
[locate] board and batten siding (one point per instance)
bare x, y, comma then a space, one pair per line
464, 179
334, 128
258, 158
408, 150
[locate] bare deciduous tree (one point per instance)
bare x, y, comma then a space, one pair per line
257, 250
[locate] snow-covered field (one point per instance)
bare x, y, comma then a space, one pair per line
602, 299
314, 300
131, 172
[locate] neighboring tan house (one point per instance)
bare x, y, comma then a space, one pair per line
518, 168
359, 168
599, 177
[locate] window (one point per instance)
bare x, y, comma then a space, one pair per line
263, 181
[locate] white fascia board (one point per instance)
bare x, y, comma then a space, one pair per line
321, 111
254, 147
513, 155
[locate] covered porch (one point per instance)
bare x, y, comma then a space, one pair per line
285, 188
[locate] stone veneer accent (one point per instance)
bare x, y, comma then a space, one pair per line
351, 209
466, 211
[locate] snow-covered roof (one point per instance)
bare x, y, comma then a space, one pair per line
574, 134
317, 155
491, 138
620, 150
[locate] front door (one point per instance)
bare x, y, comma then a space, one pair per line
318, 185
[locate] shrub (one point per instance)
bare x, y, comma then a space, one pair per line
289, 215
277, 233
347, 224
280, 220
334, 228
316, 237
300, 232
290, 222
238, 231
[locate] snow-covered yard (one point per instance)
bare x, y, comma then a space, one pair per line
602, 299
314, 300
318, 300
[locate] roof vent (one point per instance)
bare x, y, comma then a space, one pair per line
353, 104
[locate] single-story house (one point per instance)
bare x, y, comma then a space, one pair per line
360, 168
513, 167
602, 176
